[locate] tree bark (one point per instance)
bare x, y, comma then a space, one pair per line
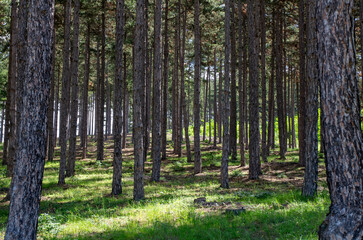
233, 110
156, 128
36, 22
117, 102
139, 80
197, 154
226, 91
74, 93
254, 133
311, 128
343, 141
66, 77
263, 81
125, 103
215, 109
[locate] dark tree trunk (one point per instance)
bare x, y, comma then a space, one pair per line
226, 91
35, 21
9, 152
271, 94
215, 110
139, 80
233, 110
302, 104
183, 95
254, 133
108, 104
117, 102
220, 96
51, 105
293, 111
206, 102
74, 93
125, 104
279, 83
156, 128
85, 91
101, 102
56, 108
175, 80
165, 84
197, 154
343, 141
311, 128
66, 77
263, 81
244, 103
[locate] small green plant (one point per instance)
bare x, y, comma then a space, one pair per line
48, 226
237, 173
178, 166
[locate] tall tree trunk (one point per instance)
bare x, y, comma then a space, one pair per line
9, 153
183, 95
108, 104
125, 103
206, 102
226, 91
139, 79
66, 77
36, 21
74, 93
263, 80
245, 76
293, 110
174, 86
197, 53
302, 104
343, 141
311, 128
101, 107
215, 110
117, 101
279, 82
271, 87
56, 108
164, 120
233, 111
84, 124
254, 133
147, 85
2, 121
156, 128
220, 96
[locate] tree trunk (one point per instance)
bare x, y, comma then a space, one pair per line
302, 104
206, 103
226, 91
215, 110
56, 108
125, 103
233, 110
108, 103
263, 80
66, 76
174, 86
254, 133
164, 121
197, 154
271, 87
74, 93
220, 96
117, 102
139, 80
343, 141
84, 124
156, 128
36, 21
101, 102
147, 85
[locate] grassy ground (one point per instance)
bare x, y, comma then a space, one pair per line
84, 209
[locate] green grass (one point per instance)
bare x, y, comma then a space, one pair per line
83, 208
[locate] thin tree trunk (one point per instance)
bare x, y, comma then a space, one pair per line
343, 139
226, 91
117, 116
66, 77
36, 21
215, 110
74, 93
125, 103
233, 111
197, 52
139, 79
220, 96
206, 102
241, 78
56, 108
263, 81
156, 128
164, 120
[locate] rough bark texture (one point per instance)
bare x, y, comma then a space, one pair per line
271, 87
215, 109
101, 102
87, 56
233, 112
220, 95
65, 92
311, 127
226, 91
263, 81
37, 19
254, 133
165, 84
302, 104
156, 128
117, 102
139, 79
197, 154
74, 93
343, 142
125, 105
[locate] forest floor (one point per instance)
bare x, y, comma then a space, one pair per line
83, 208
